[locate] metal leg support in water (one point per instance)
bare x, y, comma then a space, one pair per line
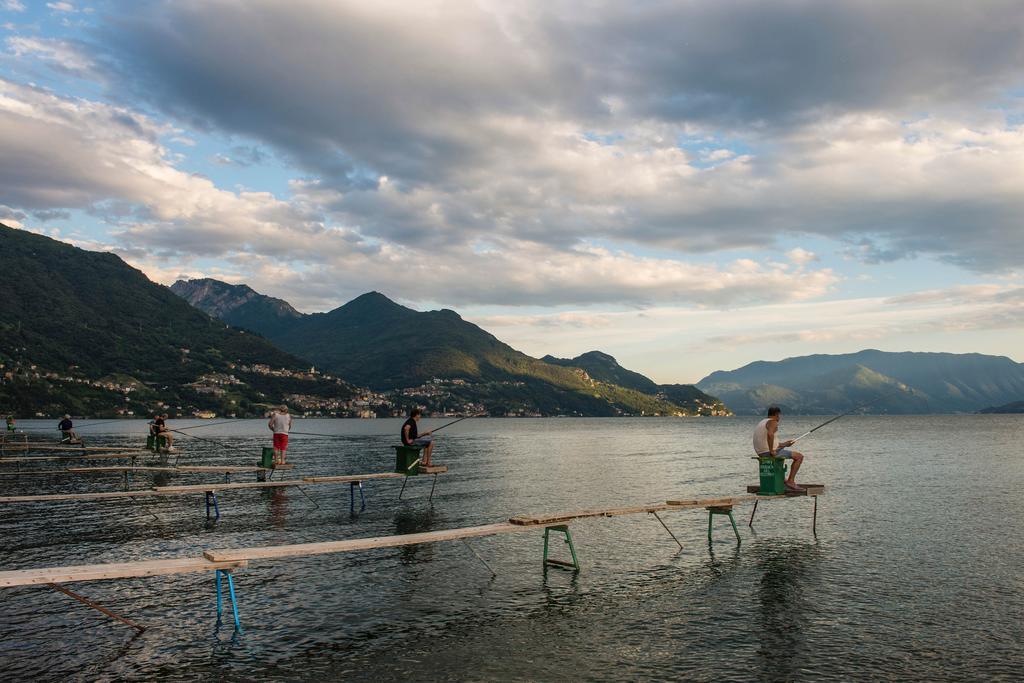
656, 516
752, 513
352, 486
814, 520
404, 482
723, 510
432, 487
211, 500
563, 528
482, 560
231, 594
98, 608
127, 479
151, 513
310, 498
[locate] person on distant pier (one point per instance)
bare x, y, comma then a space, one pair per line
160, 429
765, 444
411, 437
280, 423
10, 424
67, 431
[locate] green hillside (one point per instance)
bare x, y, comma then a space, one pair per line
84, 332
604, 368
378, 343
238, 305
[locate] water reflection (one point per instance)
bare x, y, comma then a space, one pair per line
416, 521
278, 508
784, 610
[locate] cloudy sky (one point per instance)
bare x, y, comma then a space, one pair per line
689, 186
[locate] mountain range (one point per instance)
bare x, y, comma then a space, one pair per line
901, 383
85, 333
376, 342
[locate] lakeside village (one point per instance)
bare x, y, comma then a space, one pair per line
139, 399
228, 394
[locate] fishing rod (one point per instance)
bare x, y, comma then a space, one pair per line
430, 431
208, 424
213, 441
830, 421
95, 424
453, 422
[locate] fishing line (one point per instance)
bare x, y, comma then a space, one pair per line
849, 412
208, 424
213, 441
432, 431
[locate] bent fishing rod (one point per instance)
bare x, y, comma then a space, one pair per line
427, 432
830, 421
453, 422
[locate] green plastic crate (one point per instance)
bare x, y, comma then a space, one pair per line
773, 476
405, 456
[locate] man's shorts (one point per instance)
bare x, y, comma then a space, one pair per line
280, 442
783, 453
423, 441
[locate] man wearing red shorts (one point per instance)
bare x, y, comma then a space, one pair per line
280, 423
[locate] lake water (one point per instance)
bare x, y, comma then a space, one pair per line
916, 572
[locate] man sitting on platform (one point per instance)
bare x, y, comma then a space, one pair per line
160, 429
67, 431
411, 437
765, 445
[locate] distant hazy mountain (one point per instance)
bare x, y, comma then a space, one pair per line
906, 382
376, 342
83, 332
601, 366
605, 368
238, 305
1015, 407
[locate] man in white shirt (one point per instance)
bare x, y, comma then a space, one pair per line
280, 423
765, 444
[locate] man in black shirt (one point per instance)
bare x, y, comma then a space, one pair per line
161, 430
67, 431
411, 437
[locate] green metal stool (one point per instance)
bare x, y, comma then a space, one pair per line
563, 528
722, 510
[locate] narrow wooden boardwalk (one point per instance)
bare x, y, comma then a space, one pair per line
210, 487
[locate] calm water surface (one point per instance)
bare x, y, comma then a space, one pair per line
915, 573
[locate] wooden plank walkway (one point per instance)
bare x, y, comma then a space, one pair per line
191, 469
304, 549
119, 570
233, 558
76, 449
186, 489
87, 456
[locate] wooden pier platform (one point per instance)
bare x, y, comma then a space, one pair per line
76, 449
122, 455
211, 487
118, 570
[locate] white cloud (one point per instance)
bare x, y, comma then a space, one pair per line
60, 54
72, 153
540, 122
12, 5
66, 7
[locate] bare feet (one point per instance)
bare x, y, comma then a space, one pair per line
793, 487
